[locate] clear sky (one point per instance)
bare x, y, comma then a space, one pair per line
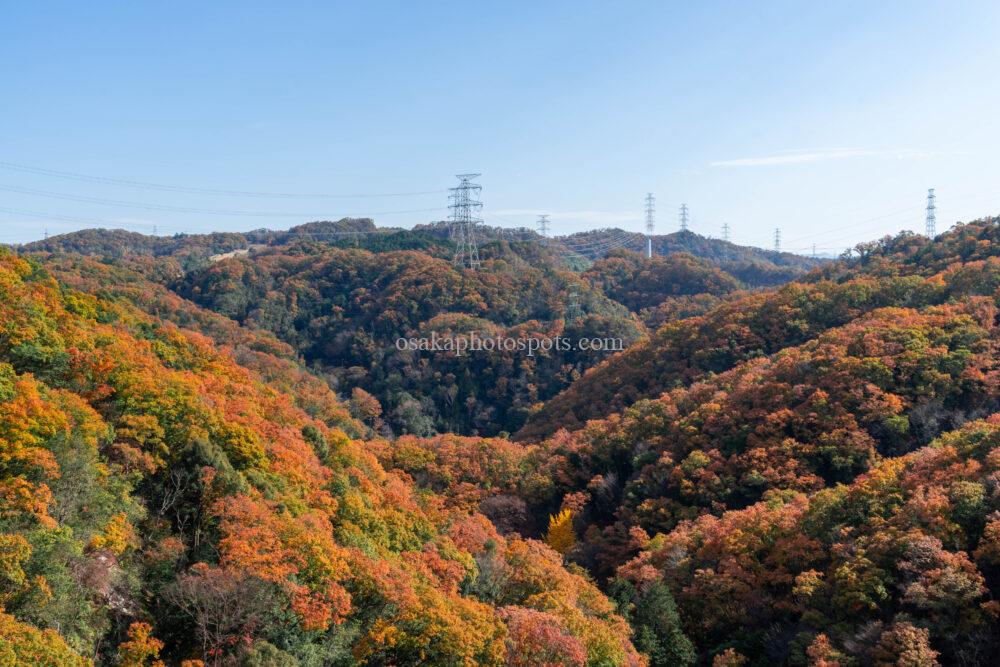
828, 120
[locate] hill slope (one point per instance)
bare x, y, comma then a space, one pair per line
892, 272
344, 309
806, 475
158, 498
342, 293
753, 266
820, 491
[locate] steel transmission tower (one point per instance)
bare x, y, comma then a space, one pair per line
650, 211
931, 228
777, 239
574, 310
725, 231
684, 217
464, 206
543, 228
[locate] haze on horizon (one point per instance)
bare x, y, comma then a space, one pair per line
829, 122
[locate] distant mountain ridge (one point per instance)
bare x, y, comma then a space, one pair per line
590, 244
120, 242
340, 292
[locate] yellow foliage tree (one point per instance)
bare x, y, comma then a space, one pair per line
23, 645
14, 553
141, 649
117, 537
561, 536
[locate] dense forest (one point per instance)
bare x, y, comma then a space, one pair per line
661, 288
343, 309
892, 272
341, 293
161, 501
754, 266
817, 488
221, 456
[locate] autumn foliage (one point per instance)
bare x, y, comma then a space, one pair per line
160, 501
560, 535
805, 475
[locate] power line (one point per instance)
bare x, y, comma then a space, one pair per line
58, 218
590, 251
598, 249
593, 252
615, 236
498, 218
119, 224
74, 176
615, 239
182, 209
907, 211
854, 235
777, 239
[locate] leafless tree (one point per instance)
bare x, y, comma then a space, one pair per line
225, 607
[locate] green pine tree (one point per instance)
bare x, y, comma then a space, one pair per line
658, 629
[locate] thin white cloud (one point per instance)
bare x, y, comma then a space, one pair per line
806, 156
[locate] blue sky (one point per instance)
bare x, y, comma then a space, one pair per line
829, 122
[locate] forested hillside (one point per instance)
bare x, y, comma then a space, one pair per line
897, 568
120, 243
753, 266
343, 310
157, 499
341, 294
662, 288
893, 272
812, 483
799, 475
360, 334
